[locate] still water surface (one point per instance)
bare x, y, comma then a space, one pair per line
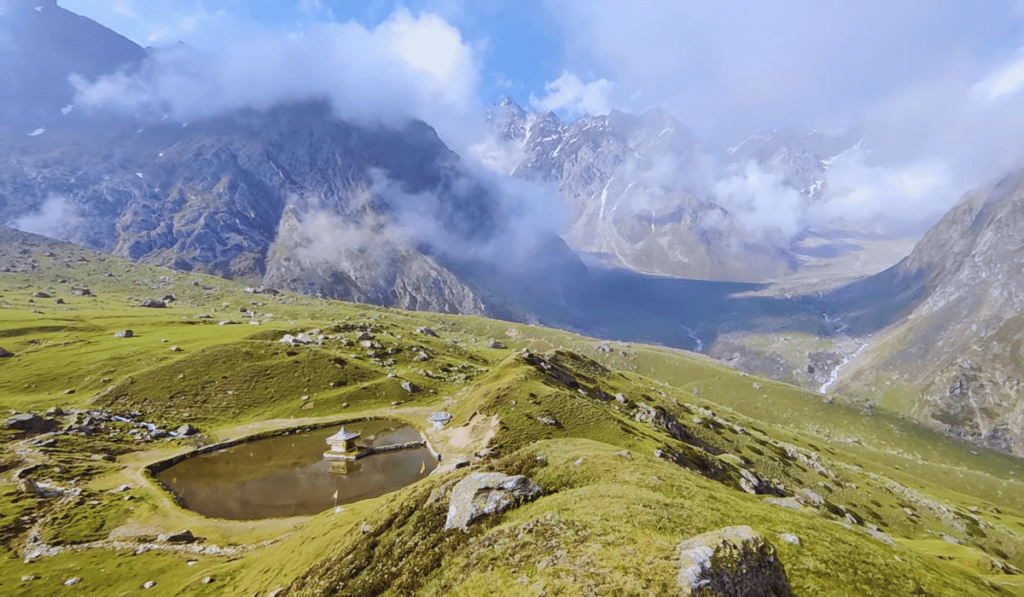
287, 475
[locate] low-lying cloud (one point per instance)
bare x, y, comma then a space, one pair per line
934, 93
408, 66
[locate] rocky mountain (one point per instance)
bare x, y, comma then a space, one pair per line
949, 350
640, 192
291, 196
43, 44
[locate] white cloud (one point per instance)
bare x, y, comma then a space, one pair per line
568, 93
405, 67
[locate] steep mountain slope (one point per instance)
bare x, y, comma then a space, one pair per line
290, 197
951, 355
636, 449
43, 45
638, 188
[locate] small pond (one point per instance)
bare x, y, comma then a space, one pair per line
287, 475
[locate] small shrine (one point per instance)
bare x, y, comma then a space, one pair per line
343, 446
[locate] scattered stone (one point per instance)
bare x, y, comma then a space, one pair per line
83, 292
496, 345
578, 462
124, 334
58, 301
5, 353
788, 502
204, 316
40, 295
186, 430
480, 494
427, 332
68, 392
364, 337
228, 322
183, 536
547, 421
809, 498
951, 539
168, 298
877, 534
207, 580
790, 538
731, 562
29, 578
154, 304
757, 386
410, 387
624, 454
175, 349
32, 423
72, 581
149, 584
620, 398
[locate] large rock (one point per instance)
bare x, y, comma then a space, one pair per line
31, 423
480, 494
731, 562
183, 536
154, 304
5, 353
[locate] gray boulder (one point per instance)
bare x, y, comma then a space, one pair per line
426, 332
124, 334
731, 562
496, 345
186, 429
31, 423
183, 536
5, 353
154, 304
480, 494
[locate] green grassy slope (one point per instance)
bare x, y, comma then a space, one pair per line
545, 406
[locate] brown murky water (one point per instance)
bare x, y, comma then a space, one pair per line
287, 475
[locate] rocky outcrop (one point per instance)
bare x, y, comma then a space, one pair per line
731, 562
5, 353
951, 311
31, 423
481, 494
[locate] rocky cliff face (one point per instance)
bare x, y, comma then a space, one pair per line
290, 197
952, 347
637, 188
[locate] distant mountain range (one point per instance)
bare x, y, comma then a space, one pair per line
638, 189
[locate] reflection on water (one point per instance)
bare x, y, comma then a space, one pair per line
287, 476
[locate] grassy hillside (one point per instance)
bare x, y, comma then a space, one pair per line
636, 448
